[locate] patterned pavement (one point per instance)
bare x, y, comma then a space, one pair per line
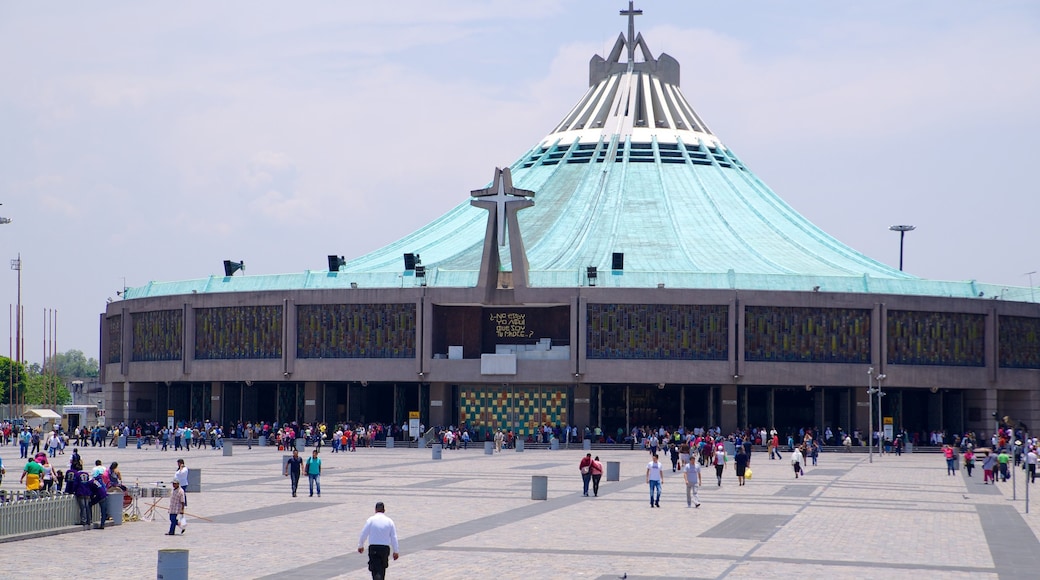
470, 515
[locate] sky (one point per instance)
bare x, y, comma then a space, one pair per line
152, 141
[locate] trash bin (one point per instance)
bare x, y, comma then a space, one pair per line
194, 480
227, 448
262, 441
285, 460
554, 444
586, 445
519, 445
539, 487
115, 507
389, 442
437, 447
122, 442
909, 448
172, 565
489, 448
613, 471
730, 448
301, 444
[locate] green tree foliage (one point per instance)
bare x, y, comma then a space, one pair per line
12, 375
45, 388
73, 364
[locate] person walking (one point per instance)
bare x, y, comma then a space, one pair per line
692, 477
585, 467
176, 508
969, 460
948, 454
740, 463
1031, 461
1002, 462
292, 470
314, 472
654, 477
381, 534
596, 469
796, 461
988, 466
719, 460
181, 476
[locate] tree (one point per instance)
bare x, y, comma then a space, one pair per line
44, 388
12, 375
73, 364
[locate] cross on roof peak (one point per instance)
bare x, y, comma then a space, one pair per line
632, 12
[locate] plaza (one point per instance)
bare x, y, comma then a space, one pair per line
470, 515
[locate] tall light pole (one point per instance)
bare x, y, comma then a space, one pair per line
870, 414
881, 429
902, 234
1032, 297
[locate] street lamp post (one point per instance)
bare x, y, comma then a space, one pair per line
902, 234
1032, 296
881, 429
870, 414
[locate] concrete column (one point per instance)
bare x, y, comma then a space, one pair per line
216, 402
862, 411
582, 407
728, 420
310, 401
439, 404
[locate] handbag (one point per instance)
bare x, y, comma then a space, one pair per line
584, 469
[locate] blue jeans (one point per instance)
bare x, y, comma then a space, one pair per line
173, 522
585, 478
655, 485
314, 480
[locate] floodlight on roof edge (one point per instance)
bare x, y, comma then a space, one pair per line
411, 260
231, 267
592, 273
335, 262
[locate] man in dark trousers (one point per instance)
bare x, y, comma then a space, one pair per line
292, 470
381, 534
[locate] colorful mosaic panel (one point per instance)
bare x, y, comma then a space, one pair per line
157, 335
114, 332
355, 331
818, 335
936, 338
657, 332
1019, 345
239, 332
522, 410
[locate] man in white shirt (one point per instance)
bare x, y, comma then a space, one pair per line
381, 534
654, 477
181, 476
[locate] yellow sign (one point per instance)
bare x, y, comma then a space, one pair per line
887, 420
413, 414
169, 412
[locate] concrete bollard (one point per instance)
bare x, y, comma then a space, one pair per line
172, 565
261, 441
194, 480
613, 471
121, 442
227, 448
539, 487
389, 442
301, 444
586, 445
489, 448
554, 444
519, 445
437, 447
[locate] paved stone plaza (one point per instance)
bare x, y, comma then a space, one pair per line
471, 515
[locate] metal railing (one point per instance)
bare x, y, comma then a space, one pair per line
29, 512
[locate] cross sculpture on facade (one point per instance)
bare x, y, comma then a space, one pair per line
500, 198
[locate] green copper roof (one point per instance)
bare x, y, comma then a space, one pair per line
632, 169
